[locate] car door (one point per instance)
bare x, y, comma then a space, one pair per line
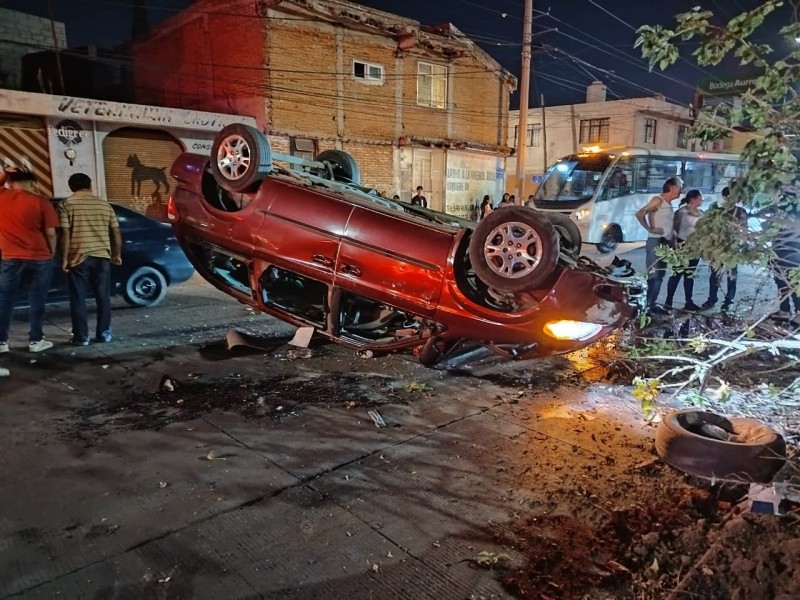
302, 230
399, 260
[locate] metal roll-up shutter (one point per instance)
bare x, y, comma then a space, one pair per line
23, 143
136, 163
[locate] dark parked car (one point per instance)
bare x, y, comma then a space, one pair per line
312, 247
152, 259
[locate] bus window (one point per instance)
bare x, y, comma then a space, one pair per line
699, 175
661, 169
573, 178
618, 182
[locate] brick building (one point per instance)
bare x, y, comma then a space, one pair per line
414, 105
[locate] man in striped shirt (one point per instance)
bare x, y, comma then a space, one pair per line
90, 243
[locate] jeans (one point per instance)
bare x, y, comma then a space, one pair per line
17, 275
688, 282
730, 288
788, 258
92, 275
656, 268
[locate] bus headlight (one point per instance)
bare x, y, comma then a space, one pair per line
572, 330
580, 215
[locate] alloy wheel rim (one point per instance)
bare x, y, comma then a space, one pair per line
513, 250
234, 157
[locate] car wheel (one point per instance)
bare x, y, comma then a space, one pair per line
240, 158
514, 248
341, 166
612, 236
568, 233
708, 445
146, 286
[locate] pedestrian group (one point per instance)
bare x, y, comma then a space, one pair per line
81, 234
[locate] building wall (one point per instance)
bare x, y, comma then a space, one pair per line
298, 83
22, 34
200, 60
627, 121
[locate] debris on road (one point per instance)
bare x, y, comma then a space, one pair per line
491, 560
295, 353
376, 418
415, 386
366, 354
213, 456
4, 372
302, 337
167, 384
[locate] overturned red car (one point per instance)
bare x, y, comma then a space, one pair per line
312, 247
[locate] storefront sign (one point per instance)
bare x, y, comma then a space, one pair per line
69, 133
469, 177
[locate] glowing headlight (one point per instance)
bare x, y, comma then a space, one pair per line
582, 214
572, 330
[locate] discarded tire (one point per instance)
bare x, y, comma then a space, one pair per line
708, 445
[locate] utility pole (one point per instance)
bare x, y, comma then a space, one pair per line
544, 133
525, 84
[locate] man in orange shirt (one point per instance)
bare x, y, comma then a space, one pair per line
27, 243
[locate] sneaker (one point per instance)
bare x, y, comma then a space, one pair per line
4, 347
79, 342
657, 310
781, 315
691, 306
40, 346
709, 304
103, 338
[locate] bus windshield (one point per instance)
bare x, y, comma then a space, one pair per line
573, 178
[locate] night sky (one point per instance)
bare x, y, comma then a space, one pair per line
582, 39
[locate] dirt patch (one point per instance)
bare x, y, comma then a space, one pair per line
277, 397
606, 518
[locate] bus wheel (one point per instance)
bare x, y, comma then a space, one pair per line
612, 236
514, 249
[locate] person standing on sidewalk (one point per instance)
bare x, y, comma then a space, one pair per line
685, 222
27, 244
739, 219
419, 199
656, 218
90, 244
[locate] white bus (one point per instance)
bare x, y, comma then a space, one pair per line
601, 189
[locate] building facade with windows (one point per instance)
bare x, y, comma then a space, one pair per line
557, 131
414, 105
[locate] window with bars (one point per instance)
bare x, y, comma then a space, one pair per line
683, 137
533, 138
650, 131
594, 130
431, 85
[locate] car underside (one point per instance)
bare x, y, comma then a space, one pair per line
313, 247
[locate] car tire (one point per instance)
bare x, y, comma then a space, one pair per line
568, 233
612, 236
514, 249
146, 286
757, 455
341, 166
240, 158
